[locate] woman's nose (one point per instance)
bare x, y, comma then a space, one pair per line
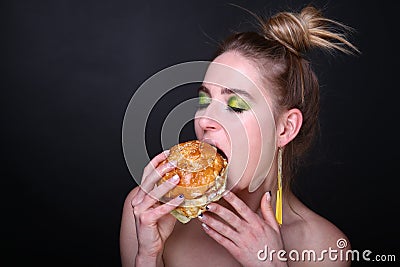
207, 123
208, 119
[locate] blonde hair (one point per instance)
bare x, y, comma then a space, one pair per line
299, 32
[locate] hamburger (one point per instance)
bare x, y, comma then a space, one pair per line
202, 169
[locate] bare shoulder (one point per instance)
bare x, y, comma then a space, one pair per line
127, 211
131, 194
128, 241
314, 235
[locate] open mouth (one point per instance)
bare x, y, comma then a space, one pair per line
212, 143
222, 153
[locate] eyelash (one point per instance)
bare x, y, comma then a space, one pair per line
229, 108
237, 110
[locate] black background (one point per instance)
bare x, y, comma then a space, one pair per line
69, 69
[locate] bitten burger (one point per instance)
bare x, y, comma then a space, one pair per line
202, 169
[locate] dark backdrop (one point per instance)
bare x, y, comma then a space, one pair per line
69, 69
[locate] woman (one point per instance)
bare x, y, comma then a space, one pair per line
257, 222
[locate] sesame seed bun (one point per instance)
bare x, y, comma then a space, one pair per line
202, 170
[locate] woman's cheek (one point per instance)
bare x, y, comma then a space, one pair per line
244, 143
252, 152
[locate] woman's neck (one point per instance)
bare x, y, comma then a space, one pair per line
253, 199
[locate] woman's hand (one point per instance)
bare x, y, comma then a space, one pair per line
245, 235
154, 223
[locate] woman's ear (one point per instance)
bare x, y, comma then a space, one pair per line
289, 126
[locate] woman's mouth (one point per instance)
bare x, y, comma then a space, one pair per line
215, 144
222, 153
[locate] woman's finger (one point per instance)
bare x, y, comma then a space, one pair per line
155, 162
220, 227
268, 212
153, 177
223, 241
164, 209
242, 209
154, 196
226, 215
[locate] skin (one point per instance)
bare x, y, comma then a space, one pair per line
235, 228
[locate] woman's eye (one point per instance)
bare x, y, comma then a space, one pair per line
204, 100
237, 104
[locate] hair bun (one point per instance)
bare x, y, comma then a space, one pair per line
299, 32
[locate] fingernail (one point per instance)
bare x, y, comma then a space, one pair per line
181, 196
207, 207
174, 178
268, 193
205, 226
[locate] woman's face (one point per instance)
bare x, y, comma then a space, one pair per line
234, 114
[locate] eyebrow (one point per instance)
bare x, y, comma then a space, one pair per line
228, 91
